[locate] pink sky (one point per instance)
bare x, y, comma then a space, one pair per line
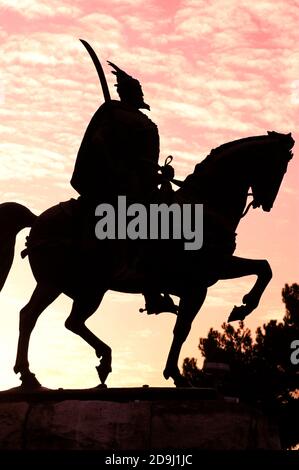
212, 71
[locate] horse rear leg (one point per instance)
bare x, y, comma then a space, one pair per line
83, 308
190, 304
41, 298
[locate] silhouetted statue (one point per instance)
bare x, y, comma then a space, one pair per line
119, 156
221, 182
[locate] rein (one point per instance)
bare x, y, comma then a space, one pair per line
250, 204
248, 207
179, 183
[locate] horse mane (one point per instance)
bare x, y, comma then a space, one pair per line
271, 137
224, 149
236, 143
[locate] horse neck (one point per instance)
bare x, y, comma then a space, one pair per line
222, 187
230, 203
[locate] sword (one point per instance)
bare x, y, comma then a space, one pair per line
99, 70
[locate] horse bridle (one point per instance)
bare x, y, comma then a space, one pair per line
250, 204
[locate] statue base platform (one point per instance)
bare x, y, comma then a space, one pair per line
137, 419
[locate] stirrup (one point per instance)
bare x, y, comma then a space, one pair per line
164, 304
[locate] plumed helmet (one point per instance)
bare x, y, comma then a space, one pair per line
128, 88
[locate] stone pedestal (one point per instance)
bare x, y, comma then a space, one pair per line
131, 419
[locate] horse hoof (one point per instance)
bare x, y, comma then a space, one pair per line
30, 382
104, 370
238, 313
178, 379
101, 386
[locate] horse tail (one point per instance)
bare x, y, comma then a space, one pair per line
13, 218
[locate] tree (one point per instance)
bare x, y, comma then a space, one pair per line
261, 369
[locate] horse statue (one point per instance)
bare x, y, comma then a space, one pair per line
63, 261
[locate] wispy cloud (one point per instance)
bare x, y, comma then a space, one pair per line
34, 9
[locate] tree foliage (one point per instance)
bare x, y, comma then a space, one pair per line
261, 370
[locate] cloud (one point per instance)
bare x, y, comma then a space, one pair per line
33, 9
39, 48
100, 23
27, 163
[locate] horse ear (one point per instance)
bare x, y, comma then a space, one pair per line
270, 132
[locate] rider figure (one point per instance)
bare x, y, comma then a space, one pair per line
120, 149
119, 155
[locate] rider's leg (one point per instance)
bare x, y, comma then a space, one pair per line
154, 262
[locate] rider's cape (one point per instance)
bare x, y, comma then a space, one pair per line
118, 155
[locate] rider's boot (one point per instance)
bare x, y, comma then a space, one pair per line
156, 303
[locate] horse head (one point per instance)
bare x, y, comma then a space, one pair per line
257, 162
271, 165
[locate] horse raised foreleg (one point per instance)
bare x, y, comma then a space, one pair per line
42, 296
239, 267
82, 309
189, 306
